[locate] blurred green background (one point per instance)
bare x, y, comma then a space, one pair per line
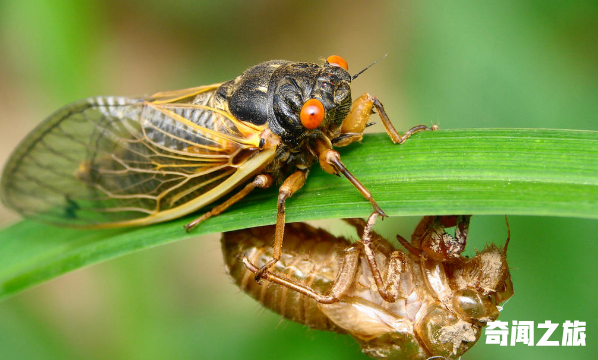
458, 64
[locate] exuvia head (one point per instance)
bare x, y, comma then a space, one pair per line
483, 282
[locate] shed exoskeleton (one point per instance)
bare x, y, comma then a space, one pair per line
429, 301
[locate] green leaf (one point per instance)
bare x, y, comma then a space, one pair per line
476, 171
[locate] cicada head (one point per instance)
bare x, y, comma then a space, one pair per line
487, 270
309, 100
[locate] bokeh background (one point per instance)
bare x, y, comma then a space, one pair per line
459, 64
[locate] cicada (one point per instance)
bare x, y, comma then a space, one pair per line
116, 161
430, 302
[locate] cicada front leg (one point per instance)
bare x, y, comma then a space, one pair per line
330, 161
389, 288
359, 118
429, 240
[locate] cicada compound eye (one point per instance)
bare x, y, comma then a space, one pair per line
336, 60
312, 114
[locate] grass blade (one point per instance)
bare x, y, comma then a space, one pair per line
474, 171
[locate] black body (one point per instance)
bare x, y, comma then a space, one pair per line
274, 92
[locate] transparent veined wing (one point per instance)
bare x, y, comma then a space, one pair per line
116, 161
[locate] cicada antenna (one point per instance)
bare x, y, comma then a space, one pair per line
369, 66
508, 234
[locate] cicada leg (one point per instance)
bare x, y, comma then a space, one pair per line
389, 288
341, 284
291, 184
358, 119
508, 234
397, 263
431, 239
330, 161
260, 181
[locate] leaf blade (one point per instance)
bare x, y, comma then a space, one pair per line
540, 172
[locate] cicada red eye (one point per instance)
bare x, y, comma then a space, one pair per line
312, 114
336, 60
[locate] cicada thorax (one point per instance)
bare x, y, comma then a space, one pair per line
273, 94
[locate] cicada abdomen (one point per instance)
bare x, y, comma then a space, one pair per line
438, 307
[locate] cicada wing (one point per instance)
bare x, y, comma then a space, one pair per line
198, 95
113, 161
